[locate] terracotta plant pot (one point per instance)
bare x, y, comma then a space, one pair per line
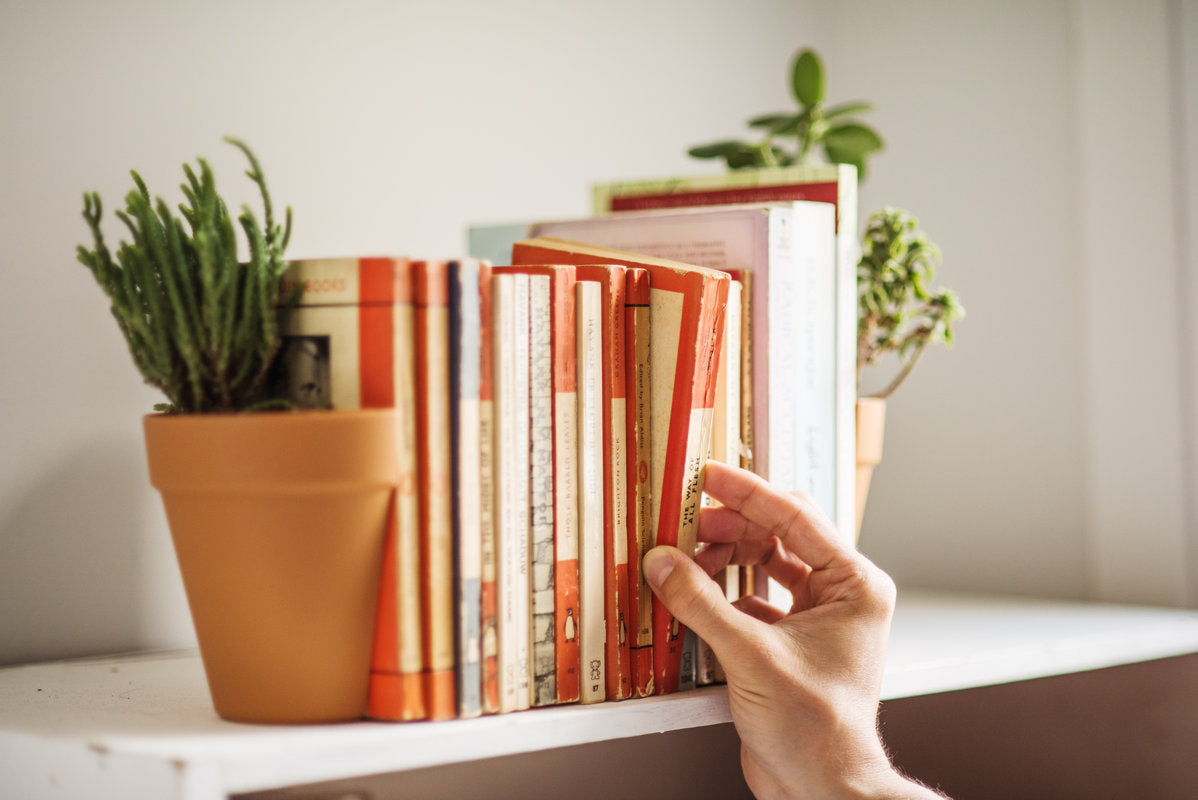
278, 521
871, 424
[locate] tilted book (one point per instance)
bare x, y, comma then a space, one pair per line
617, 667
559, 656
466, 279
726, 446
349, 344
637, 332
835, 184
591, 583
789, 249
434, 480
687, 304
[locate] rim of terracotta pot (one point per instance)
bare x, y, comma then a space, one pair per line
286, 437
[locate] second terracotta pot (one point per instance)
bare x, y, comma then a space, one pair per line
871, 427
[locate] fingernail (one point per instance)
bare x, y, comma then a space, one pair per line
657, 564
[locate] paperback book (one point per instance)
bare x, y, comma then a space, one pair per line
687, 304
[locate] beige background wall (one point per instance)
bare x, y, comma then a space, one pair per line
1047, 146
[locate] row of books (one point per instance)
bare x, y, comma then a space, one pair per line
528, 391
559, 407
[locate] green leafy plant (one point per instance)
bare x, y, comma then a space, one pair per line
896, 311
201, 325
812, 127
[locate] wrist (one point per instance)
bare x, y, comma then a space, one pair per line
876, 778
893, 785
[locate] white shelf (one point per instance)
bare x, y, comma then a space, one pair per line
142, 726
943, 641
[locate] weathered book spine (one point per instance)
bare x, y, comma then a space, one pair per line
688, 305
563, 577
725, 446
465, 351
488, 598
543, 667
617, 669
431, 296
512, 481
590, 493
640, 538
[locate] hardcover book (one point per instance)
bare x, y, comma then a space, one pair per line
687, 304
835, 184
797, 418
789, 249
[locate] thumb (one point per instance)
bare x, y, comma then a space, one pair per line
694, 598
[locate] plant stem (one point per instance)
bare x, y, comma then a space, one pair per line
903, 373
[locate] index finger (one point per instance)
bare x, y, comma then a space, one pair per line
796, 521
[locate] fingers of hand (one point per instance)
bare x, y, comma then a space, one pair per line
695, 599
766, 511
778, 563
714, 557
758, 608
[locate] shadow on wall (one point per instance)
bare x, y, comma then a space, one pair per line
75, 553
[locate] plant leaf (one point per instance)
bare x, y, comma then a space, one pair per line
744, 158
717, 149
807, 78
769, 120
853, 137
845, 109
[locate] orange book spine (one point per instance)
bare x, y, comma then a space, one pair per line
688, 438
385, 377
431, 298
562, 577
638, 390
488, 597
617, 671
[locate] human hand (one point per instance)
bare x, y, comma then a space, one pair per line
803, 686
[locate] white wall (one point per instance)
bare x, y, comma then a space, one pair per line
1184, 70
390, 126
1052, 451
982, 482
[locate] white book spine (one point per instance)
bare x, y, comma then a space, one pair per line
590, 489
521, 590
511, 481
803, 452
